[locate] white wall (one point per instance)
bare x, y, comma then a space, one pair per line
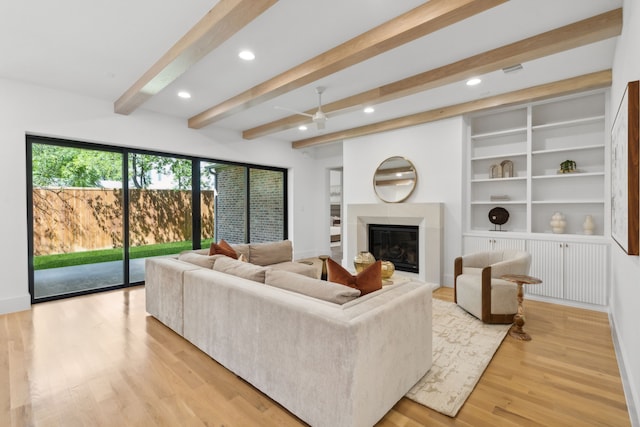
36, 110
435, 149
625, 280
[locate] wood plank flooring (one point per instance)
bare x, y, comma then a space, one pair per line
100, 360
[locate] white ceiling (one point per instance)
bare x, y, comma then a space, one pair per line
100, 49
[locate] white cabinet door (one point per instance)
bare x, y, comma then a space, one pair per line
547, 265
570, 271
501, 244
585, 272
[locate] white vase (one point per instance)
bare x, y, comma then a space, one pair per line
557, 223
588, 225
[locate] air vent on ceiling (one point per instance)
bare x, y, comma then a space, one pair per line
512, 68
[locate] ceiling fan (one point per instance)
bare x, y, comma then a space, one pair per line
319, 117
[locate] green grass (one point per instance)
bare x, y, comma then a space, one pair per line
104, 255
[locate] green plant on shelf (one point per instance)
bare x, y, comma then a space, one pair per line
568, 166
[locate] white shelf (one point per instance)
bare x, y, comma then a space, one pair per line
501, 156
499, 202
514, 178
572, 149
568, 175
499, 133
569, 123
567, 202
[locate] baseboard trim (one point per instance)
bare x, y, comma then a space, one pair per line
626, 384
11, 305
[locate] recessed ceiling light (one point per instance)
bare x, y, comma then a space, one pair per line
184, 94
369, 110
247, 55
474, 81
302, 128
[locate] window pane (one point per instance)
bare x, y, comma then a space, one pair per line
160, 212
267, 205
207, 203
231, 212
77, 220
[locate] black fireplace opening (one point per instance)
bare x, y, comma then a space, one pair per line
395, 243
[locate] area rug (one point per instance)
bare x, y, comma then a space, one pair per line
462, 348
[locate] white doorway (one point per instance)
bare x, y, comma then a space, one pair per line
335, 213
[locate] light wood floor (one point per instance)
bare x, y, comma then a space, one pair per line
100, 360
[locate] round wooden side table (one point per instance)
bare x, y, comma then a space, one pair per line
516, 330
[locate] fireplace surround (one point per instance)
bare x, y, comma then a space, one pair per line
428, 217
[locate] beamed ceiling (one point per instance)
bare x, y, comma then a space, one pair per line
407, 59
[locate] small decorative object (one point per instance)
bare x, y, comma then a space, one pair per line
507, 168
387, 269
363, 260
568, 166
495, 171
323, 274
557, 223
588, 225
498, 217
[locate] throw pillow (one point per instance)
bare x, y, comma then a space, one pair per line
367, 281
327, 291
222, 248
270, 252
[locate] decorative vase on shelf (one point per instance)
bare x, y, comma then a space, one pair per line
588, 225
363, 260
557, 223
387, 269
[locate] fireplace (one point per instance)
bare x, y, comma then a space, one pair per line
428, 217
395, 243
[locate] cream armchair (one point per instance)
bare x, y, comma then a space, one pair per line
478, 288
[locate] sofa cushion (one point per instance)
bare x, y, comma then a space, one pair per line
205, 261
270, 253
327, 291
367, 281
222, 248
240, 269
241, 249
297, 267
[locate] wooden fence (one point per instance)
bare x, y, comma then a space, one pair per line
82, 219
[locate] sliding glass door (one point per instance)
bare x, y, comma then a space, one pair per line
160, 209
97, 212
76, 204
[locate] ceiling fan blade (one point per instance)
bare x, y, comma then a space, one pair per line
293, 111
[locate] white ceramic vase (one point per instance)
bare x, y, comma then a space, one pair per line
557, 223
588, 225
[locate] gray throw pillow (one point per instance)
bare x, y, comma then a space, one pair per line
270, 253
327, 291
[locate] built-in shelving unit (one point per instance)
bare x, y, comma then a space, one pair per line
536, 138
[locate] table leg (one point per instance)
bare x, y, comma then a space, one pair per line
516, 330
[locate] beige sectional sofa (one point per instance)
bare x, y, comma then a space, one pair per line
342, 363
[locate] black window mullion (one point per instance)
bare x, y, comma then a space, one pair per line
196, 210
125, 213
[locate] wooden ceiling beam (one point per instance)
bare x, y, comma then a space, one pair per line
591, 30
585, 82
225, 19
422, 20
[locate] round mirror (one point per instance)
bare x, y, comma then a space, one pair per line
395, 179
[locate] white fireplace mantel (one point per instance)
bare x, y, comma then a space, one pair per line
427, 216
